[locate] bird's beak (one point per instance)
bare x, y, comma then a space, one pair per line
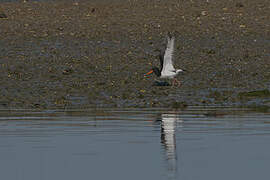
150, 72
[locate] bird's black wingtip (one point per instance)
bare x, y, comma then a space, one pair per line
169, 34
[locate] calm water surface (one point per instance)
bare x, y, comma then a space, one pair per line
196, 143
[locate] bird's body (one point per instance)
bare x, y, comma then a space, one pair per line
170, 74
166, 70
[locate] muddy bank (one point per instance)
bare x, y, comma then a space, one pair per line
67, 54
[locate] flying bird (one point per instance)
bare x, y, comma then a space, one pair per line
166, 70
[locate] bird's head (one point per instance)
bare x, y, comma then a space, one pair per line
179, 70
154, 70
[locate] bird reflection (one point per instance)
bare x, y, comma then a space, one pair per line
168, 141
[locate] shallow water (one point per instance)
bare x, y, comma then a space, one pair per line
196, 143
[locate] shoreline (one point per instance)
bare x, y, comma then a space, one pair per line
57, 54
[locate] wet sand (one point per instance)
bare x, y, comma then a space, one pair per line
67, 54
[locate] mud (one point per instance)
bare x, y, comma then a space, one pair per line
81, 54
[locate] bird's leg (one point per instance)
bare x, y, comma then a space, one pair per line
178, 82
173, 82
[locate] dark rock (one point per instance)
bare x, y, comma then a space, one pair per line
239, 5
180, 105
67, 71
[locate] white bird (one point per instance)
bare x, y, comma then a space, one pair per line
166, 70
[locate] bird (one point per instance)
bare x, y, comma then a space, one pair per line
167, 70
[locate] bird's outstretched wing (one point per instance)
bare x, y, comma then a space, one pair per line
167, 62
161, 59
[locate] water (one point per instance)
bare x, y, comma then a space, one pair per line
196, 143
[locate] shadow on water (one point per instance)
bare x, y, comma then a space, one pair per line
195, 143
